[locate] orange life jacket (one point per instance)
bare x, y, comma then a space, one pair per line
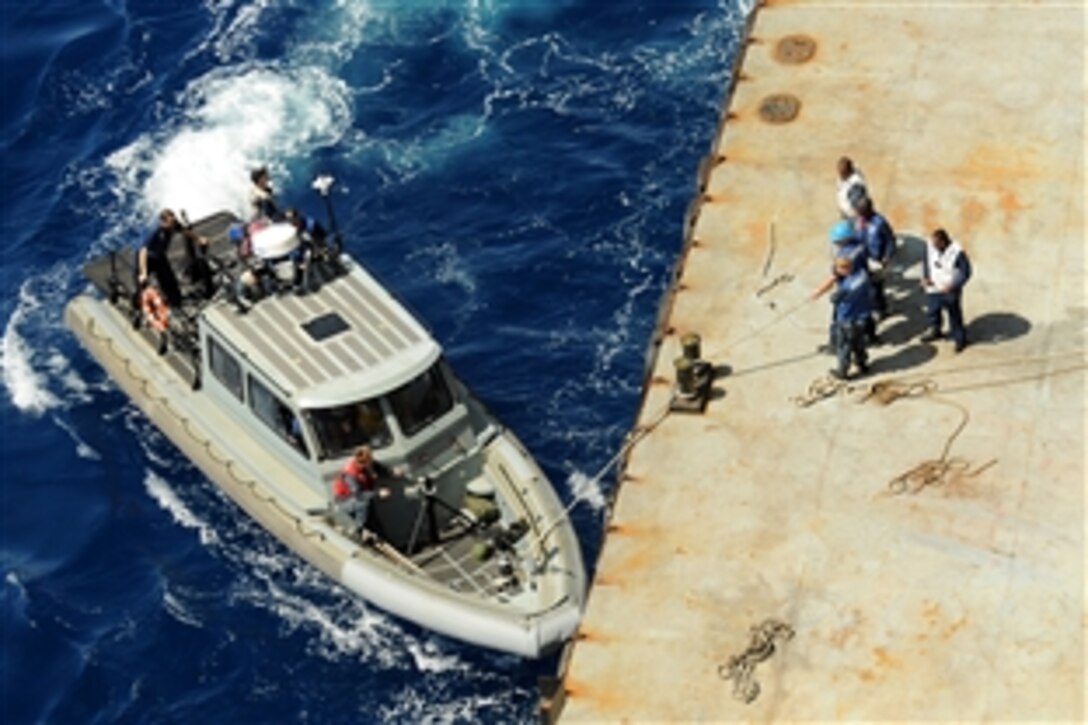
354, 478
155, 309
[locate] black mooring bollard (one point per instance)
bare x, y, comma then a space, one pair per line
691, 344
685, 376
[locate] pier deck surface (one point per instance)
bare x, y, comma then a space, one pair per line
963, 600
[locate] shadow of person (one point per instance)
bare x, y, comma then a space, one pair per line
995, 327
903, 359
909, 250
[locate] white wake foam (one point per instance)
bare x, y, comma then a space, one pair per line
415, 705
587, 490
448, 265
24, 368
83, 449
177, 609
234, 120
346, 629
161, 492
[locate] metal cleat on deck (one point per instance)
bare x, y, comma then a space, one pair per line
693, 378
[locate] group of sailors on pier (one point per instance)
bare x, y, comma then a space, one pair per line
863, 244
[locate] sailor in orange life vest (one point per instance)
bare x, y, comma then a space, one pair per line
357, 484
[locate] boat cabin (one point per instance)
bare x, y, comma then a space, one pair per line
323, 373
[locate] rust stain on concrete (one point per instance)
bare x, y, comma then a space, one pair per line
1010, 203
842, 635
931, 218
631, 530
756, 239
605, 700
972, 212
937, 623
990, 162
883, 664
885, 660
954, 627
593, 636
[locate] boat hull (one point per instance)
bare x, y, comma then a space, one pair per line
531, 629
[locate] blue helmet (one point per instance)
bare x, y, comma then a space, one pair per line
841, 232
236, 233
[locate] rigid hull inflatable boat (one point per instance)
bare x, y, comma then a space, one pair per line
271, 398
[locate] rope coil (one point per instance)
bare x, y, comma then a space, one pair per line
822, 389
762, 644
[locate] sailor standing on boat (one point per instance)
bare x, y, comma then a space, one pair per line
153, 256
357, 484
310, 235
262, 199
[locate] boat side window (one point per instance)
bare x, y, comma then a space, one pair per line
422, 401
225, 367
346, 427
277, 416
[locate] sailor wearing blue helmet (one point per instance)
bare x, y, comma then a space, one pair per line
851, 313
841, 232
846, 242
845, 245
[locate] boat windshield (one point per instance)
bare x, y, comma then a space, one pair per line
344, 428
422, 401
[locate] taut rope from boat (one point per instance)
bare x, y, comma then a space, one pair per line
634, 437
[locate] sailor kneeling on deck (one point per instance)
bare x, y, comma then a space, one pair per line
357, 484
273, 258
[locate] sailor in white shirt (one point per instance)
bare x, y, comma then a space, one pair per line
945, 270
851, 188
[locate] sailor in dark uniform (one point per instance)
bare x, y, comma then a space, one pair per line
153, 256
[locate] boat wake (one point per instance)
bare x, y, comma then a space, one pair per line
338, 625
231, 121
25, 375
164, 496
38, 375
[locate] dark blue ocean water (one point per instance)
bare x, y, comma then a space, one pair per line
516, 170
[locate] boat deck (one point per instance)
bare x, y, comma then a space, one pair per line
116, 274
454, 563
960, 596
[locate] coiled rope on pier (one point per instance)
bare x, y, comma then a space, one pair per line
935, 471
763, 639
